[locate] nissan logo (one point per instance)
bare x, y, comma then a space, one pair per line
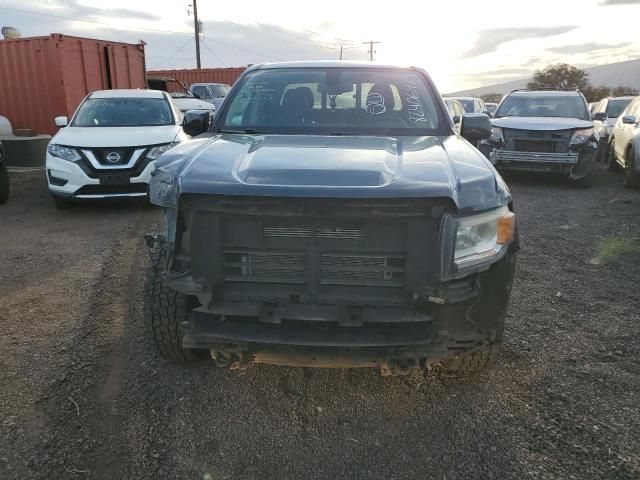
113, 157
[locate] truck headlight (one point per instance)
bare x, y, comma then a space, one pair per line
481, 237
163, 189
65, 153
156, 151
496, 135
581, 136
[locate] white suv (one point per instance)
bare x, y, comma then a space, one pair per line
110, 146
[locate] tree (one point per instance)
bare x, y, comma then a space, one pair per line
595, 94
561, 76
491, 97
622, 91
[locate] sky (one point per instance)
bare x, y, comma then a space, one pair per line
462, 44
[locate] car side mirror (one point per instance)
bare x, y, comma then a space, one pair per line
475, 127
600, 116
61, 121
196, 122
456, 119
629, 119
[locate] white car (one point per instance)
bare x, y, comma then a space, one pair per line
624, 144
109, 148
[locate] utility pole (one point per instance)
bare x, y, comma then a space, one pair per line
371, 51
196, 26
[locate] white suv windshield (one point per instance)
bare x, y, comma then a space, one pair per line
123, 112
569, 106
349, 101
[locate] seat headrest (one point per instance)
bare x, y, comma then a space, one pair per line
380, 99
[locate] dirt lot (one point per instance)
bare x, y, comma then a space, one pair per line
82, 394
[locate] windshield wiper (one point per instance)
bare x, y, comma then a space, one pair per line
248, 131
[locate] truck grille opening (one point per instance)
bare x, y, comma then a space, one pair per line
537, 141
340, 269
278, 267
318, 232
241, 265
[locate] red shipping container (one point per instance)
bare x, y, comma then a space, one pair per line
204, 75
43, 77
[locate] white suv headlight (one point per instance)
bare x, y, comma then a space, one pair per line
158, 150
481, 237
65, 153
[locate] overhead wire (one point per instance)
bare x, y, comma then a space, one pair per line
214, 55
173, 54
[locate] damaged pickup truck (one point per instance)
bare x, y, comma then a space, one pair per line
330, 216
545, 131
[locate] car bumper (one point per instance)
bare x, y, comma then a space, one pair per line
67, 179
421, 334
576, 164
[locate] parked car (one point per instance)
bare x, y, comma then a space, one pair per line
331, 217
186, 102
4, 177
456, 111
491, 108
624, 148
110, 146
472, 104
545, 131
211, 92
604, 117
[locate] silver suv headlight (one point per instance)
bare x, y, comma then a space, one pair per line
582, 136
65, 153
481, 238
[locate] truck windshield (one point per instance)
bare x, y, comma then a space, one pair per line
570, 106
123, 112
334, 101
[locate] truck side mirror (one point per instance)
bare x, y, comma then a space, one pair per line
475, 127
196, 122
600, 116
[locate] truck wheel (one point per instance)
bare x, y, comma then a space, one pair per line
4, 184
164, 311
612, 165
631, 178
474, 361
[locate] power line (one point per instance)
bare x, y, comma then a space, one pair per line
94, 22
286, 32
173, 54
190, 34
306, 44
214, 55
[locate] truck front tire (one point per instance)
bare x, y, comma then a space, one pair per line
164, 311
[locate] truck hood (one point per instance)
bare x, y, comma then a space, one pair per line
541, 123
96, 137
335, 166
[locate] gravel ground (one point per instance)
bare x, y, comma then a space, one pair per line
82, 394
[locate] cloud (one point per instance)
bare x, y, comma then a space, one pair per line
608, 3
74, 9
489, 40
590, 47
